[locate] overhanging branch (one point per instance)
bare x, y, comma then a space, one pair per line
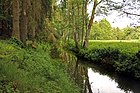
99, 2
128, 13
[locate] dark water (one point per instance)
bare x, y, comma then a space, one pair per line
105, 84
94, 79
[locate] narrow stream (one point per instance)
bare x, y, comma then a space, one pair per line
94, 79
102, 81
104, 84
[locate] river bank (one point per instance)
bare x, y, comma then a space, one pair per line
31, 70
93, 78
120, 57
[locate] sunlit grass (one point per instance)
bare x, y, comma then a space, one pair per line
135, 40
125, 46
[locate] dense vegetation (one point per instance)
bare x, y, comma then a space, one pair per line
26, 66
102, 30
122, 57
32, 70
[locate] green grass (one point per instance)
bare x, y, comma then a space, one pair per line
125, 46
135, 40
27, 70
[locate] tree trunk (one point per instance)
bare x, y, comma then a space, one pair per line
83, 22
23, 28
74, 23
16, 31
34, 21
85, 45
78, 22
68, 12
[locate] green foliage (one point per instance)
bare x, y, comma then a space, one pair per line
102, 30
32, 70
125, 47
118, 34
70, 45
16, 42
123, 57
132, 33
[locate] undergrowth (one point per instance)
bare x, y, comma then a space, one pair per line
27, 70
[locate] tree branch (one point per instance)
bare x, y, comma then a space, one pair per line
130, 13
99, 3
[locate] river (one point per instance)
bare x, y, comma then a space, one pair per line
95, 79
104, 83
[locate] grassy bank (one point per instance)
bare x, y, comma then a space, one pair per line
27, 70
122, 57
124, 47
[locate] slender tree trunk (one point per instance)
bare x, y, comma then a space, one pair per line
85, 45
68, 7
83, 21
23, 28
16, 31
33, 24
74, 33
78, 22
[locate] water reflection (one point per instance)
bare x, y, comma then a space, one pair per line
94, 79
119, 84
77, 71
103, 84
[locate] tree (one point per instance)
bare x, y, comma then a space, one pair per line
5, 18
28, 18
110, 5
16, 30
131, 33
23, 27
96, 3
72, 24
118, 34
101, 30
124, 8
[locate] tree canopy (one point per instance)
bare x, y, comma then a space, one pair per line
65, 20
